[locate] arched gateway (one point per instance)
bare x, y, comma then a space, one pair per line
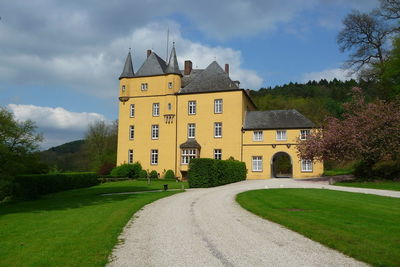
281, 165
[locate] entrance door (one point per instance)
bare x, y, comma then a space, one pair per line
281, 165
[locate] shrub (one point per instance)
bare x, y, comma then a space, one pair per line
143, 174
106, 168
5, 188
153, 175
169, 175
387, 169
31, 186
212, 172
127, 170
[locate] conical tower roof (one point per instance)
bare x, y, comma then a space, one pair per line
128, 68
173, 66
154, 65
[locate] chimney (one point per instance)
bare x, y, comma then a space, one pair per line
148, 52
188, 67
227, 69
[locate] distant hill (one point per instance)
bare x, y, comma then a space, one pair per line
70, 156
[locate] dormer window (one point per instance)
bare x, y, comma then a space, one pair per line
170, 85
144, 86
123, 88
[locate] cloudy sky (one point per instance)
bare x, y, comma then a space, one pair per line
60, 60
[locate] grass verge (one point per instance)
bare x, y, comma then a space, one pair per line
338, 172
365, 227
385, 185
71, 228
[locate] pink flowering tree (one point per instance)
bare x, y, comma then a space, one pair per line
366, 131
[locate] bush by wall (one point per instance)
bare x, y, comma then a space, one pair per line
153, 175
384, 169
127, 170
143, 174
169, 175
212, 172
31, 186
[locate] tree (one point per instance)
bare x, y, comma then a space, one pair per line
391, 70
389, 9
368, 132
366, 35
101, 143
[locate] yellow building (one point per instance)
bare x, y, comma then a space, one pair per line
168, 116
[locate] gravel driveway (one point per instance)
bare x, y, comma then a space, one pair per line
206, 227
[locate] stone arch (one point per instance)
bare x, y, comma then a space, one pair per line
281, 165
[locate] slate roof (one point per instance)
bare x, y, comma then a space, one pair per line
190, 143
212, 79
173, 66
154, 65
186, 79
128, 68
276, 119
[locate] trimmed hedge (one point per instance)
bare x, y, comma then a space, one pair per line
127, 170
213, 172
169, 175
31, 186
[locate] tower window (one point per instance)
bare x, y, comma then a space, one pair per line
192, 107
154, 131
123, 88
217, 153
218, 129
170, 85
156, 109
154, 157
191, 130
218, 106
169, 106
132, 111
144, 86
130, 156
131, 132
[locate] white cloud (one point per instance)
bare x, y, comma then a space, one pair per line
55, 118
329, 75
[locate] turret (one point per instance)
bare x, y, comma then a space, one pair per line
128, 68
173, 66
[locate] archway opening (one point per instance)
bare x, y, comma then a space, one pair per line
281, 165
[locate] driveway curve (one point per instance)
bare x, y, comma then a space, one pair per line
206, 227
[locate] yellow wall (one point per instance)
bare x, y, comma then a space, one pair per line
266, 149
173, 134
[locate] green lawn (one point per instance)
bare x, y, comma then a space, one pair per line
338, 172
363, 226
71, 228
386, 185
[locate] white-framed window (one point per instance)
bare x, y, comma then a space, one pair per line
218, 153
187, 155
192, 107
257, 135
191, 130
130, 156
257, 163
306, 165
169, 85
281, 135
154, 131
218, 129
123, 88
132, 110
144, 86
154, 157
156, 109
304, 134
218, 106
169, 106
131, 132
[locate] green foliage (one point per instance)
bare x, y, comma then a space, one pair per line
153, 174
143, 174
383, 169
212, 172
31, 186
169, 174
106, 168
384, 185
127, 170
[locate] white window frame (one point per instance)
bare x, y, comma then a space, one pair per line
191, 130
257, 163
258, 136
154, 157
130, 156
155, 131
217, 129
306, 165
217, 153
281, 135
132, 110
169, 85
218, 106
304, 134
131, 132
187, 155
156, 109
144, 86
123, 88
192, 107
